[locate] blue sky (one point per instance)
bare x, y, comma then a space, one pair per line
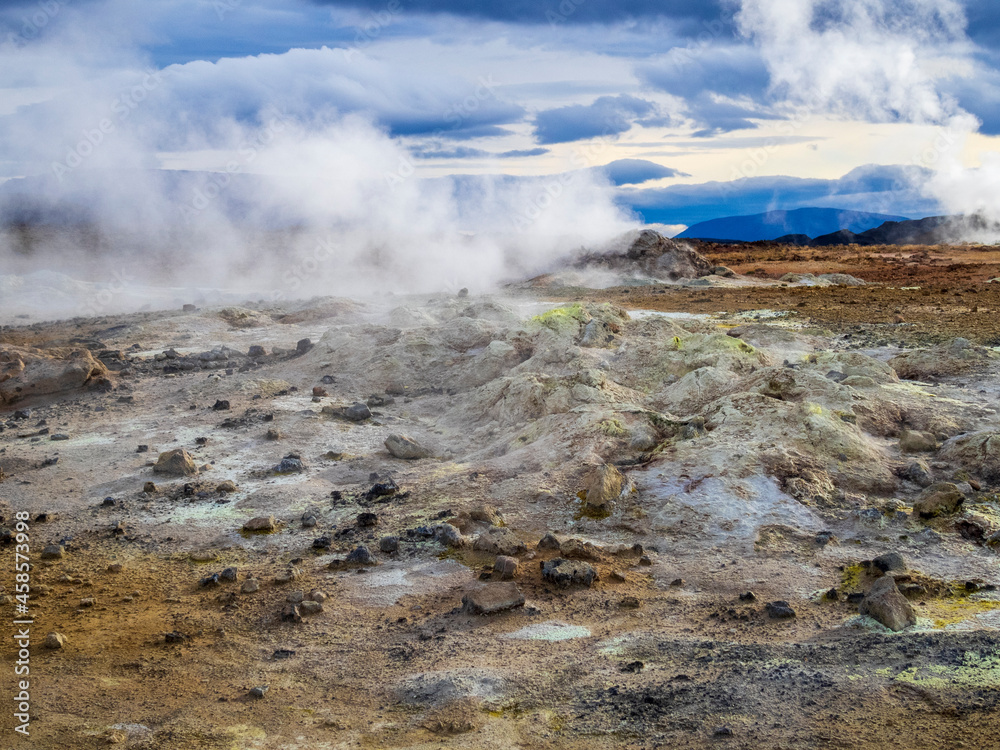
686, 110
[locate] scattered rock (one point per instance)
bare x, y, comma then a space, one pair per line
505, 568
259, 691
290, 464
604, 486
310, 607
53, 552
889, 561
499, 541
779, 610
885, 603
308, 520
917, 472
493, 598
367, 520
448, 535
220, 405
549, 541
291, 613
565, 573
388, 544
273, 433
915, 441
177, 462
261, 525
405, 447
226, 486
250, 586
54, 641
229, 575
360, 555
938, 499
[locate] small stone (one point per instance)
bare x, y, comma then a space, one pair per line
250, 586
55, 641
142, 449
303, 345
779, 610
677, 582
915, 441
259, 691
177, 462
322, 542
273, 433
256, 351
291, 613
889, 561
493, 598
367, 520
310, 608
114, 568
630, 602
225, 487
618, 576
388, 544
290, 464
202, 556
361, 555
565, 573
295, 597
505, 568
319, 391
287, 576
220, 405
53, 552
722, 732
549, 541
449, 535
357, 412
499, 541
885, 603
87, 602
209, 581
174, 637
261, 525
149, 488
108, 502
604, 485
229, 575
308, 520
401, 446
938, 499
58, 436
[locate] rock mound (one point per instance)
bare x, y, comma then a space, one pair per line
34, 372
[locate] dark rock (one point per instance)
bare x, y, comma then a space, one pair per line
367, 520
108, 502
229, 575
388, 544
259, 691
322, 542
142, 449
290, 464
303, 345
565, 573
505, 568
889, 561
209, 581
885, 603
358, 412
220, 405
174, 637
291, 613
549, 541
779, 610
361, 555
53, 552
256, 351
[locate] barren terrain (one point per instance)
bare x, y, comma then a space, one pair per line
723, 466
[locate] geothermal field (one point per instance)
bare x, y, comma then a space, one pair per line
667, 495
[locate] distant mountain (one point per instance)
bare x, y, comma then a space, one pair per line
811, 222
934, 230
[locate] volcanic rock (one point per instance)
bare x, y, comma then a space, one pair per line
177, 462
938, 499
886, 604
565, 573
33, 372
493, 598
405, 447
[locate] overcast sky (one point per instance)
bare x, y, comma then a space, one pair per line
701, 108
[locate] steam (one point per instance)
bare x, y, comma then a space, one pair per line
295, 198
882, 61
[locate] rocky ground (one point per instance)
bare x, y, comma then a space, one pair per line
722, 509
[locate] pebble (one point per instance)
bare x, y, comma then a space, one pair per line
250, 586
261, 524
388, 544
259, 691
310, 608
505, 568
367, 519
779, 610
565, 573
55, 640
53, 552
229, 575
361, 555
